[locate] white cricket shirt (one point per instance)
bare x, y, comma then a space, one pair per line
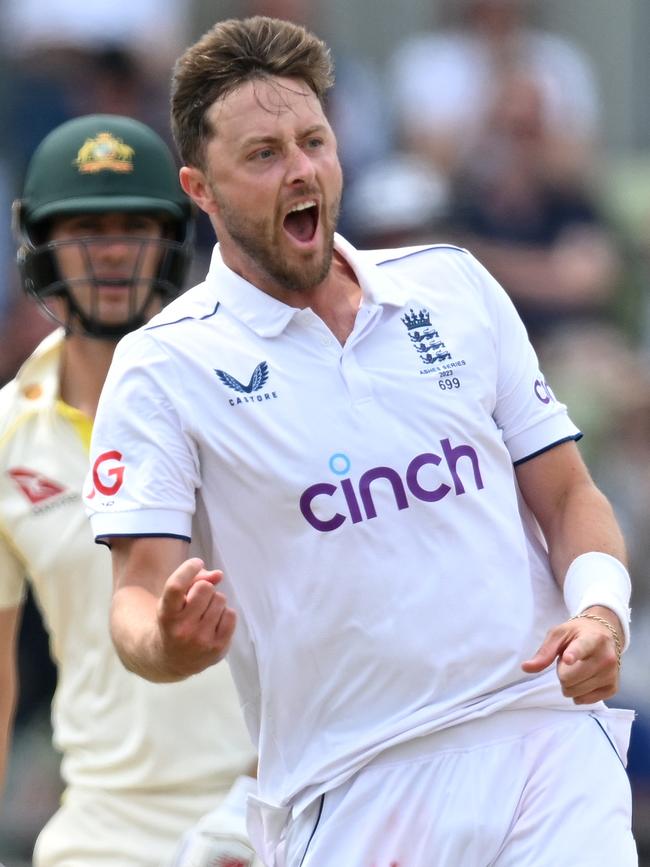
116, 731
361, 500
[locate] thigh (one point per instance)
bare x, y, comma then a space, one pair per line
438, 812
554, 796
100, 829
576, 808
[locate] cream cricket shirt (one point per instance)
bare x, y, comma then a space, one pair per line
360, 499
115, 730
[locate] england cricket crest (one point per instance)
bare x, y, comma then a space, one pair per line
424, 338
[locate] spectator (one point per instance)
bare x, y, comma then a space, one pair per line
445, 82
397, 201
540, 233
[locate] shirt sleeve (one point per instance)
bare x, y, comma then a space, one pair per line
144, 467
12, 576
526, 410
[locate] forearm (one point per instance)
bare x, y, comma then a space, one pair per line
7, 709
136, 635
593, 585
9, 620
584, 521
167, 628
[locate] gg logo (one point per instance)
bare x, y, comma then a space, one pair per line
115, 471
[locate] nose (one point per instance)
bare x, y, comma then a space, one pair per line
300, 167
114, 247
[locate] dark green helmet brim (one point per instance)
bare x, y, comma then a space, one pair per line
106, 203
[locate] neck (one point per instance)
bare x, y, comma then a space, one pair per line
337, 299
84, 365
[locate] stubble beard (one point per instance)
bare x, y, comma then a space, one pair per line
258, 239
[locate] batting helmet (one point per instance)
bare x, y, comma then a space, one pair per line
92, 165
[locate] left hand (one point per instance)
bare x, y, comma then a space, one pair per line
587, 660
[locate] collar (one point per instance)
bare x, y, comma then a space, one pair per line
268, 317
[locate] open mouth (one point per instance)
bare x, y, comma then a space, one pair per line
301, 221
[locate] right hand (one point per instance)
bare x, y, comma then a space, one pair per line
194, 621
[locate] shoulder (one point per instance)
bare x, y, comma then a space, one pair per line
424, 254
162, 330
558, 47
34, 387
432, 49
430, 262
446, 272
199, 302
10, 403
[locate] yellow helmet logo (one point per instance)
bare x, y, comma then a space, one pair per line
104, 152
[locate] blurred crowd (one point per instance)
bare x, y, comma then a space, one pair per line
484, 132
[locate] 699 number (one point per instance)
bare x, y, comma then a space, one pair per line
448, 383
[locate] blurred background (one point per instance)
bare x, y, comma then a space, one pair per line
517, 128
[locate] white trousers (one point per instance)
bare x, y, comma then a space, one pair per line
521, 788
108, 829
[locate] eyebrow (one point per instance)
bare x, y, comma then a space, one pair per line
254, 140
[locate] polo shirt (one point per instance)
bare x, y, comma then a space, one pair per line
361, 500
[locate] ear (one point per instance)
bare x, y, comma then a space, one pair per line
196, 185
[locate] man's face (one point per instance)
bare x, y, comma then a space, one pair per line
107, 262
275, 180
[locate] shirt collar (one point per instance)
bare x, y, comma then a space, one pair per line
268, 317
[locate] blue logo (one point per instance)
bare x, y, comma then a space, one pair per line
257, 380
424, 337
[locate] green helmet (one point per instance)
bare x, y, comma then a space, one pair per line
98, 164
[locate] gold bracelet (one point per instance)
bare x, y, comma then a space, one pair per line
612, 630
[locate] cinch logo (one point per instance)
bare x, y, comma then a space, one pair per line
115, 472
543, 391
357, 500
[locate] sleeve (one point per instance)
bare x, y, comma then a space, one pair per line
526, 410
144, 467
12, 576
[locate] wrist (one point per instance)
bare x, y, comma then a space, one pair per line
599, 581
609, 620
607, 614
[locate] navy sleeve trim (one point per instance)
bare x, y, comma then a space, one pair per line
105, 538
572, 438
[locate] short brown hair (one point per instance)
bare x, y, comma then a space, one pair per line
230, 53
